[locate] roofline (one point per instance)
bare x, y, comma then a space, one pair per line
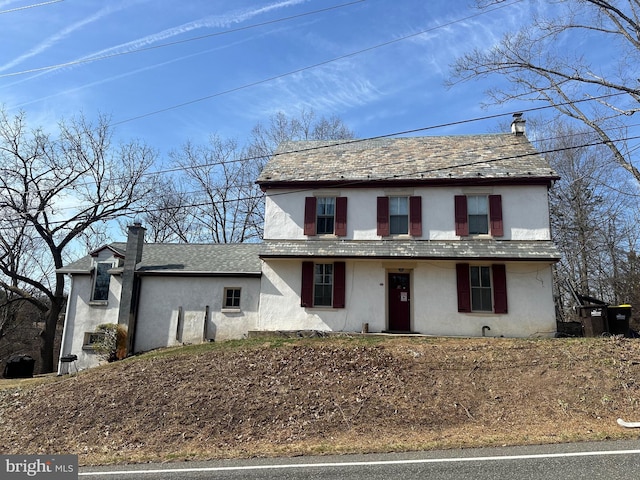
435, 182
194, 273
417, 257
73, 271
117, 254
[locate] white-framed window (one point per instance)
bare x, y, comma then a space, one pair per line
101, 281
323, 285
478, 212
325, 215
92, 338
398, 215
481, 294
231, 299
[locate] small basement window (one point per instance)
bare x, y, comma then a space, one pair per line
91, 339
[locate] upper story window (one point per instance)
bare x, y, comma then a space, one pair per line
399, 215
101, 281
325, 216
478, 215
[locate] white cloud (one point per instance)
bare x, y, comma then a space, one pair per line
57, 37
211, 21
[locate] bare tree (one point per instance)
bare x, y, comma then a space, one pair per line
218, 179
216, 174
52, 190
593, 216
167, 216
539, 67
280, 128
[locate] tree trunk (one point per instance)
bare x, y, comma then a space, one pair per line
48, 336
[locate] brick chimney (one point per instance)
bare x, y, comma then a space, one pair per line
130, 284
517, 124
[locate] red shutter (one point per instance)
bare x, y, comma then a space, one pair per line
464, 287
339, 284
310, 216
462, 225
415, 216
306, 294
341, 216
495, 215
383, 216
499, 288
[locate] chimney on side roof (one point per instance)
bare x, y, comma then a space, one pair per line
517, 125
130, 283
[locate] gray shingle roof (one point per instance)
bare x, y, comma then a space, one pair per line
222, 259
495, 156
416, 249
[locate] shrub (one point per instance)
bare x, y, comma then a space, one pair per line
112, 344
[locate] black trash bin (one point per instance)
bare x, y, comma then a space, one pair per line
19, 366
618, 317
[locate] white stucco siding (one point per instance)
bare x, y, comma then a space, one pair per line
433, 300
83, 315
173, 310
280, 299
525, 212
531, 311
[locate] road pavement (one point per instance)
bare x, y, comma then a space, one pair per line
602, 460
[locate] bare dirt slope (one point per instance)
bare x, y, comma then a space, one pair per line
329, 395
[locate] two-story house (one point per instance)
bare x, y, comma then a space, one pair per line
436, 235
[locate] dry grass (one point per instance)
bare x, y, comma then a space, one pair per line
330, 395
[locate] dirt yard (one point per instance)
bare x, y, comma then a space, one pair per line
330, 395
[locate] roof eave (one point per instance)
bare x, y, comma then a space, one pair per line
195, 273
434, 182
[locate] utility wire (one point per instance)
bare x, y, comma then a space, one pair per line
390, 177
309, 67
169, 44
331, 144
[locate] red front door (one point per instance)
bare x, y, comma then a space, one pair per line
399, 302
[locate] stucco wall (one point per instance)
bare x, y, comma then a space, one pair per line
433, 300
525, 212
82, 315
165, 299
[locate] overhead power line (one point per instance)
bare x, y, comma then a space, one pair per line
330, 144
358, 182
315, 65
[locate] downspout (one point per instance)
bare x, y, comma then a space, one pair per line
135, 303
65, 327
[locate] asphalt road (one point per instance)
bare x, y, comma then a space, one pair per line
593, 461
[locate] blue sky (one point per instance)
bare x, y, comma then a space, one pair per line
179, 70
